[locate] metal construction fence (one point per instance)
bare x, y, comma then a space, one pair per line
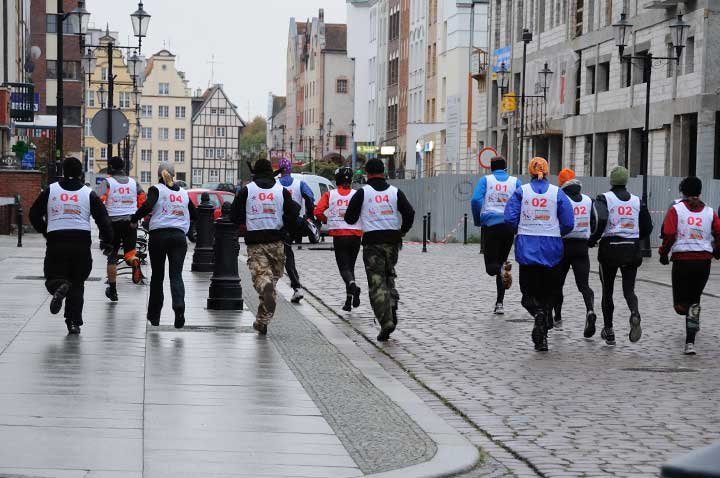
447, 199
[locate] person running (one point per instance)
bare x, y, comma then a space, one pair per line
488, 203
622, 221
62, 214
303, 196
575, 249
123, 195
541, 214
386, 216
691, 233
264, 206
171, 212
346, 238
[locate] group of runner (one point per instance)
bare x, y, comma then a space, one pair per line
553, 227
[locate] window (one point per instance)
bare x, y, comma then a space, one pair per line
341, 87
90, 156
209, 153
220, 153
125, 99
625, 74
163, 89
145, 177
69, 25
179, 156
89, 98
146, 111
340, 142
72, 116
197, 176
163, 155
180, 176
163, 111
220, 131
213, 175
393, 71
179, 111
640, 75
163, 134
221, 111
71, 70
209, 131
104, 73
146, 155
603, 76
88, 128
179, 134
213, 111
590, 80
690, 56
146, 133
103, 154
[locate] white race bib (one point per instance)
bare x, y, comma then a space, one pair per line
497, 194
694, 230
582, 211
121, 198
379, 210
623, 217
171, 210
264, 208
335, 212
68, 210
538, 213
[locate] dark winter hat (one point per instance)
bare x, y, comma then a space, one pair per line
498, 162
691, 186
374, 166
72, 168
343, 175
263, 167
116, 163
619, 176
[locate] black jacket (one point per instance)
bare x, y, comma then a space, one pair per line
574, 192
352, 215
291, 214
152, 198
38, 216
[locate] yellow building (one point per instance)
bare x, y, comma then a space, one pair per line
96, 152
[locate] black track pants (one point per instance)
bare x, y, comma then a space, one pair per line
577, 258
608, 273
68, 262
170, 245
347, 249
497, 242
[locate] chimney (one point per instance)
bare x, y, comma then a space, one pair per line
321, 15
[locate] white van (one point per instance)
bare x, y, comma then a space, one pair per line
319, 186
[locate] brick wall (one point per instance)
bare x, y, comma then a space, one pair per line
25, 183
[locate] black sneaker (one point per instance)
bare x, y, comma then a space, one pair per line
385, 331
590, 324
261, 328
394, 315
297, 296
111, 293
608, 335
57, 301
356, 297
635, 329
154, 321
73, 327
348, 303
539, 333
179, 317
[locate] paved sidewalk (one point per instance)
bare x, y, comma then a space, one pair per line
583, 409
128, 400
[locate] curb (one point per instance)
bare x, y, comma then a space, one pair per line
455, 454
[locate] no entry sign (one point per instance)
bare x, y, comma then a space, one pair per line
485, 155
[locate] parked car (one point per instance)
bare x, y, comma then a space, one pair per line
219, 187
217, 199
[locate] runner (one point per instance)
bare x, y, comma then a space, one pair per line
62, 214
692, 236
488, 208
541, 214
122, 197
575, 247
386, 216
622, 222
265, 207
171, 214
346, 238
303, 196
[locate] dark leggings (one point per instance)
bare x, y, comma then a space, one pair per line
689, 279
290, 267
581, 269
608, 273
497, 242
171, 244
539, 286
347, 249
69, 262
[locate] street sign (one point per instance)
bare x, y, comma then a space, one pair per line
28, 161
120, 126
502, 55
509, 103
485, 155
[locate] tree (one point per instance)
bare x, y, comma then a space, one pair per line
254, 134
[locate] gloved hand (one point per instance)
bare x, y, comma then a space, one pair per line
106, 247
664, 259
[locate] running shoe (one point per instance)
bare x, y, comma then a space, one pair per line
635, 329
689, 349
179, 317
356, 297
137, 275
507, 275
608, 335
385, 332
57, 301
297, 296
590, 324
261, 328
499, 309
348, 303
539, 333
73, 328
111, 293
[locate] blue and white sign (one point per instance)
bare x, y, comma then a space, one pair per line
28, 161
501, 55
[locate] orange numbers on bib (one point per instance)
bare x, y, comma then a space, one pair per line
266, 196
124, 190
342, 202
580, 210
501, 187
64, 197
381, 199
539, 202
176, 198
695, 221
625, 210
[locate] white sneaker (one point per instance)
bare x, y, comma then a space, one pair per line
689, 349
499, 310
297, 296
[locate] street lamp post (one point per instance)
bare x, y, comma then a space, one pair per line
679, 35
321, 133
329, 135
291, 146
354, 146
526, 38
301, 144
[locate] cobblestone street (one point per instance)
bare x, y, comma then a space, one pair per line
583, 409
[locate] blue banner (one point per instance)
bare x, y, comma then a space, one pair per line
501, 55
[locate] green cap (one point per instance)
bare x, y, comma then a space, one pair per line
619, 176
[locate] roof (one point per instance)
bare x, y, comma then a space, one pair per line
336, 36
198, 104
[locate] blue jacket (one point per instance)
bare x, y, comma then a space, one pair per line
304, 188
539, 250
478, 198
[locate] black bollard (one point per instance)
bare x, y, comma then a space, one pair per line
429, 219
465, 229
425, 227
225, 288
204, 257
19, 219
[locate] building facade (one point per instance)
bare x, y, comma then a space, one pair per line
165, 120
216, 129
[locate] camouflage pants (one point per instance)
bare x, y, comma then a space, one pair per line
380, 261
266, 263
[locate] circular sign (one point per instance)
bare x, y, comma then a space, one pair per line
485, 155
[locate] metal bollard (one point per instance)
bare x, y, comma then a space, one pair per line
465, 230
429, 234
225, 288
203, 257
19, 219
425, 227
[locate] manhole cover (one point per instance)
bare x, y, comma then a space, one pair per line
89, 279
244, 329
660, 370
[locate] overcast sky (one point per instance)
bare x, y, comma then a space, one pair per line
247, 37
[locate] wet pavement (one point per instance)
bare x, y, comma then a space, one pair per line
125, 399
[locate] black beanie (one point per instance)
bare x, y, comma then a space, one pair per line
691, 186
117, 164
343, 176
262, 167
374, 166
498, 162
72, 168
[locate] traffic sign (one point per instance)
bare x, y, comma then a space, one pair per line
120, 126
485, 155
509, 103
28, 161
